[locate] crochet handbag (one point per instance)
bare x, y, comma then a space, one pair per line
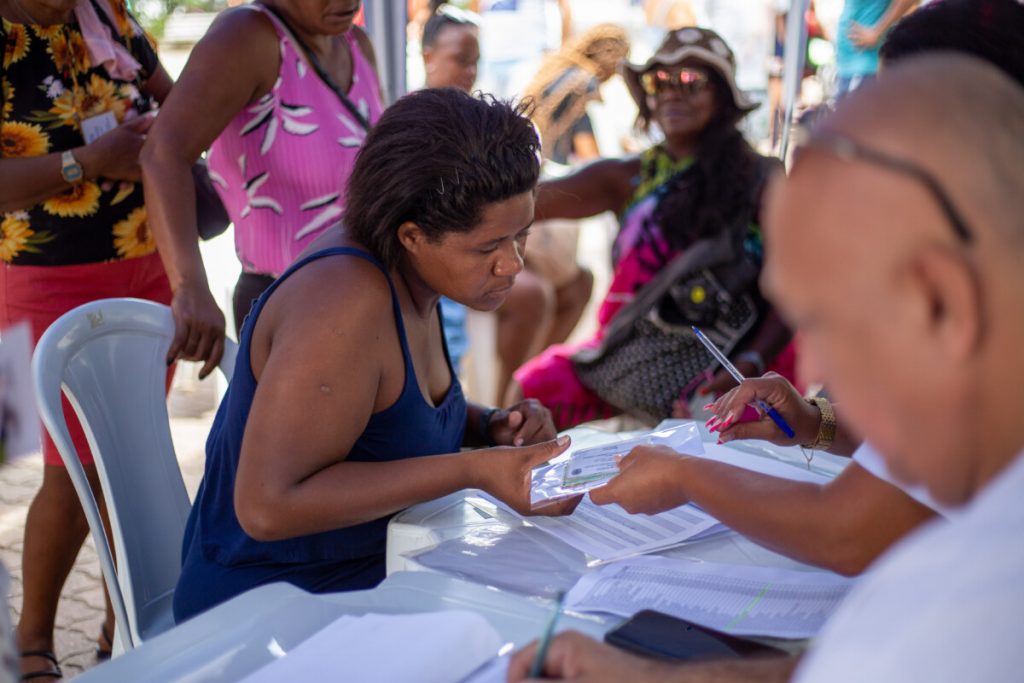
650, 354
211, 217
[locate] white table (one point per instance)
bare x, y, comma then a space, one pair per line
246, 633
463, 514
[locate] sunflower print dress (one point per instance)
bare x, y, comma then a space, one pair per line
49, 86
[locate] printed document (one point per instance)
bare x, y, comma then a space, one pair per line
607, 532
743, 600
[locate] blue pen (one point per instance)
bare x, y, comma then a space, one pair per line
537, 668
731, 369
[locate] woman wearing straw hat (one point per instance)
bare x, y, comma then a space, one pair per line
702, 181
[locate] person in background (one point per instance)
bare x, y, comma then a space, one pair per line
862, 25
451, 48
703, 180
340, 415
78, 78
420, 12
931, 243
284, 129
567, 81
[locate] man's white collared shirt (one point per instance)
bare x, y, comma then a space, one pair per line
944, 604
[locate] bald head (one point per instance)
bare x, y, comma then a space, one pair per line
912, 326
960, 119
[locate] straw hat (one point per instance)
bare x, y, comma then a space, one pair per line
695, 46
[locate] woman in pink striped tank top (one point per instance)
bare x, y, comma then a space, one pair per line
284, 92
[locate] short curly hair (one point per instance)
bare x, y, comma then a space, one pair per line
437, 158
987, 29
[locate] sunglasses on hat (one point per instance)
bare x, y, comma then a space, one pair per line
687, 81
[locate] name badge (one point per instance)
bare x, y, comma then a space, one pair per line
95, 126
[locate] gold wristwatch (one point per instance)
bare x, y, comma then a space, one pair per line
827, 426
70, 169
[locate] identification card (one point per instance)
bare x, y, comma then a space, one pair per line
597, 464
95, 126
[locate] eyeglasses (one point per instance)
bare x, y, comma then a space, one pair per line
687, 81
848, 149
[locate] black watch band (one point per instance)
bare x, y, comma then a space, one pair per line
483, 426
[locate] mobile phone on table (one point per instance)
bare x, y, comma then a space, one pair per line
656, 634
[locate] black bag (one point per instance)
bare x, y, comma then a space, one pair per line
650, 354
211, 217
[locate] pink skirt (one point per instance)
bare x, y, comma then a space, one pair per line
41, 294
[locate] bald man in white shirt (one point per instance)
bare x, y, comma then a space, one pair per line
896, 246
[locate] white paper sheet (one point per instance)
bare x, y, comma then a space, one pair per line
762, 464
607, 532
737, 599
433, 647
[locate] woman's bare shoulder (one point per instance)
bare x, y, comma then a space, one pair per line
243, 35
339, 289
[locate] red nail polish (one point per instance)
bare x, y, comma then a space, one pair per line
709, 406
727, 422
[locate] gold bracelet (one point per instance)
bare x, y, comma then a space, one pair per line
827, 426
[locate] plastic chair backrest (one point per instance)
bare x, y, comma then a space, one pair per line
108, 356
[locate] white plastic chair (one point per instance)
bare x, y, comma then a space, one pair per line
108, 356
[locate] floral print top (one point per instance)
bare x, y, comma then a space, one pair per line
48, 87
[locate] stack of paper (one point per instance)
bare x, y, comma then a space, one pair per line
738, 599
607, 532
433, 647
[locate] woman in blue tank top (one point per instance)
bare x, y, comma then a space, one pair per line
343, 408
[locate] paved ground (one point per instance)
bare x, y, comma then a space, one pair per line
81, 607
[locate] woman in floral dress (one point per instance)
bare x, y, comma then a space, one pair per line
77, 77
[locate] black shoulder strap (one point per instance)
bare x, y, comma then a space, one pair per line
703, 253
321, 72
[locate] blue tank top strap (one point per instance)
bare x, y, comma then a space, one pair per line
337, 251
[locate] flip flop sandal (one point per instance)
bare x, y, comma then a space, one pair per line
53, 672
103, 653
